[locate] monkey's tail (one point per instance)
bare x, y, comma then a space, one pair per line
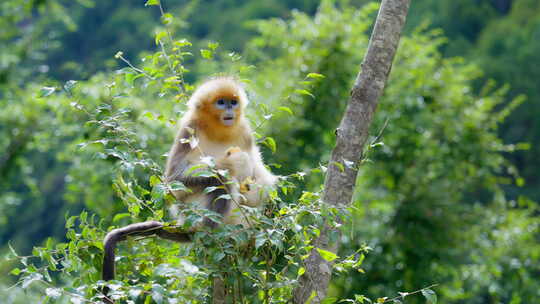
137, 229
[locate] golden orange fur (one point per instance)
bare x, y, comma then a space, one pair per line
208, 120
207, 117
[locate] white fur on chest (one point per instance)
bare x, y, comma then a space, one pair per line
211, 149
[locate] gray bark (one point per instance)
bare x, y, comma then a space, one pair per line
351, 137
219, 293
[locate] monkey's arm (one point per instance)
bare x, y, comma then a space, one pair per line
177, 159
178, 164
137, 229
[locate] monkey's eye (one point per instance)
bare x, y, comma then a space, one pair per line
221, 102
234, 102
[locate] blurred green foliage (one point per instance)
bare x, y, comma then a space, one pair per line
439, 196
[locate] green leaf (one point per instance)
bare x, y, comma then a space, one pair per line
49, 244
158, 192
224, 196
211, 189
53, 292
31, 278
204, 173
157, 293
315, 75
70, 222
120, 216
207, 54
329, 300
430, 296
46, 91
218, 256
286, 109
69, 85
340, 166
327, 255
361, 298
129, 78
151, 2
15, 271
178, 186
193, 169
213, 45
173, 80
167, 18
135, 292
270, 143
154, 180
301, 271
304, 92
182, 43
259, 242
311, 297
159, 36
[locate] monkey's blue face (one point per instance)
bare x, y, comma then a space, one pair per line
228, 109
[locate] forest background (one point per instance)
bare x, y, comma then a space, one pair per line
448, 196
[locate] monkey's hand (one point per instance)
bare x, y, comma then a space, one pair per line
238, 163
245, 185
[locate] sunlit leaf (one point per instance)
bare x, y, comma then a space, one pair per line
151, 2
46, 91
430, 296
270, 143
53, 292
315, 75
69, 85
286, 109
160, 36
120, 216
207, 54
327, 255
304, 92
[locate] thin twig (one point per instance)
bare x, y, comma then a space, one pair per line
180, 74
136, 69
380, 132
406, 294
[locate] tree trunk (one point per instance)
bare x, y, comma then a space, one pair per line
351, 137
219, 293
